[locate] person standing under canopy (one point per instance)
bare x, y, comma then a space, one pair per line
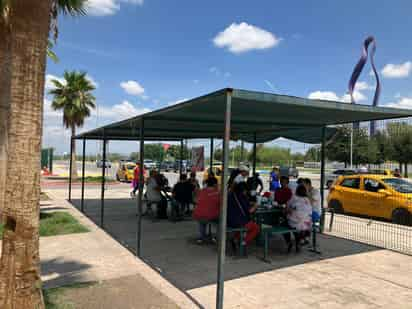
274, 180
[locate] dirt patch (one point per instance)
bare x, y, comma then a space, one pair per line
130, 292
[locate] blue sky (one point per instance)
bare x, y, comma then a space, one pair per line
145, 54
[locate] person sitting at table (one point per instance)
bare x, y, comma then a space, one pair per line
239, 211
299, 216
183, 193
207, 207
154, 195
284, 194
255, 186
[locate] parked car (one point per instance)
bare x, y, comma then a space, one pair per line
217, 170
99, 164
167, 166
331, 177
149, 164
376, 196
125, 171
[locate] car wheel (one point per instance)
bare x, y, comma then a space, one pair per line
402, 216
336, 206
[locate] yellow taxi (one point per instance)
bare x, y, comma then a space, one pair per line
217, 170
371, 195
125, 171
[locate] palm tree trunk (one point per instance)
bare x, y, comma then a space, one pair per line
20, 282
73, 145
5, 60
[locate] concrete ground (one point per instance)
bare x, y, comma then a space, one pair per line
96, 257
347, 274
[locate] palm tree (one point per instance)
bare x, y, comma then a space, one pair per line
24, 31
74, 98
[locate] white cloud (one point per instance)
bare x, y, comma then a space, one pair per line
332, 96
363, 86
404, 102
177, 101
239, 38
397, 70
323, 95
121, 111
132, 87
107, 7
92, 80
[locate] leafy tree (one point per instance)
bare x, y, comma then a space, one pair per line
174, 151
73, 97
24, 32
312, 154
400, 143
154, 152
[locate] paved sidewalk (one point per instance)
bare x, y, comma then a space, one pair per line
348, 275
95, 256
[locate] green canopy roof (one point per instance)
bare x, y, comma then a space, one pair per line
268, 116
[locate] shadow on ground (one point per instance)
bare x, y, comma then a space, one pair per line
170, 248
59, 272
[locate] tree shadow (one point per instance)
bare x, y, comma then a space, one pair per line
59, 272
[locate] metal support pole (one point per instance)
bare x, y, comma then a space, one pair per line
103, 184
83, 171
351, 146
211, 153
322, 177
70, 168
140, 196
254, 155
181, 158
242, 146
223, 213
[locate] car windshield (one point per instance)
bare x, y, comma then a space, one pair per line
130, 167
398, 184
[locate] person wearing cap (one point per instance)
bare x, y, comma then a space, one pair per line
243, 174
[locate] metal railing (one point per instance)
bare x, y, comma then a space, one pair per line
370, 231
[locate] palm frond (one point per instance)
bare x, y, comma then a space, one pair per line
65, 7
73, 97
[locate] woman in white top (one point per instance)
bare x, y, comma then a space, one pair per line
299, 215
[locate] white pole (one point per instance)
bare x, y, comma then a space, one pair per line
351, 147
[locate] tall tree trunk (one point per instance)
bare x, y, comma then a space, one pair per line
406, 170
73, 145
400, 168
20, 282
5, 77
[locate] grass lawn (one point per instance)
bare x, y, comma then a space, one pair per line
55, 298
57, 223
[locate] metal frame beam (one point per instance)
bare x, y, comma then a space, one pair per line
254, 155
83, 172
211, 154
140, 196
223, 213
103, 183
72, 140
322, 177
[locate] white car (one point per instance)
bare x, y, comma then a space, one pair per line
149, 164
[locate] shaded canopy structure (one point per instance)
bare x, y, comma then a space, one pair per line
269, 116
227, 114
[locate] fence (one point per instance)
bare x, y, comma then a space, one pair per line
372, 232
373, 203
